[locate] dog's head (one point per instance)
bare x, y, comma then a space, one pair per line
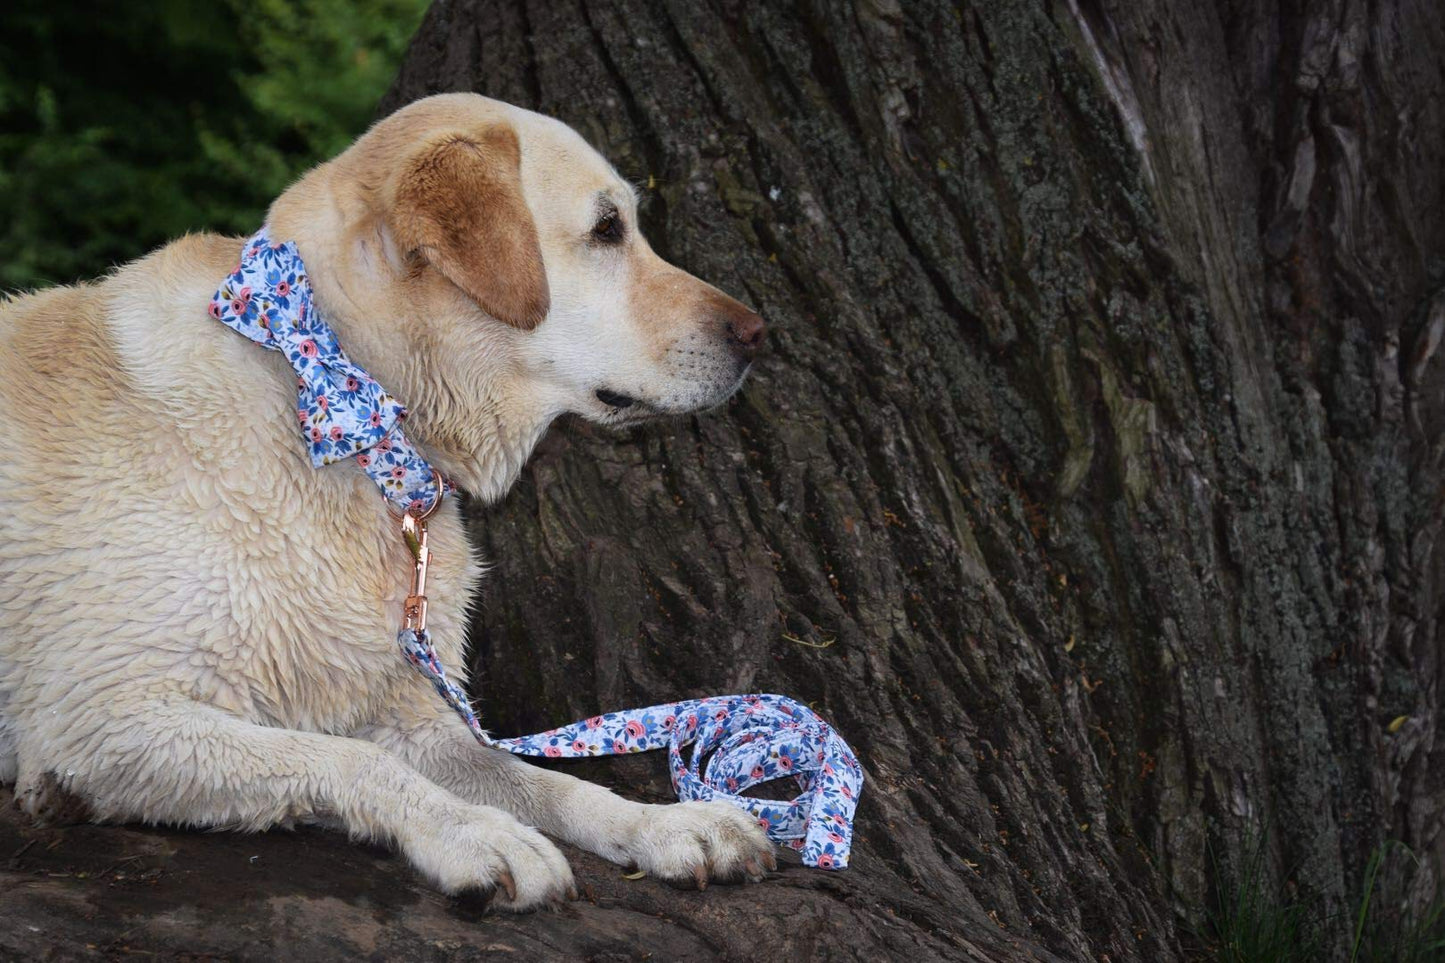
505, 260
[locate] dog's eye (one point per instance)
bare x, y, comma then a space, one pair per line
608, 228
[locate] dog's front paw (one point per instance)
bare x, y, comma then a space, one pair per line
488, 850
695, 842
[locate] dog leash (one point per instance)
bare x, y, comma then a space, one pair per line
737, 741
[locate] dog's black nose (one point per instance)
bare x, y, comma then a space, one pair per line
747, 332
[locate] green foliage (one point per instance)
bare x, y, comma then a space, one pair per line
123, 125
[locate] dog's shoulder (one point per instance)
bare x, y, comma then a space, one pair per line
57, 360
143, 326
157, 309
88, 369
44, 329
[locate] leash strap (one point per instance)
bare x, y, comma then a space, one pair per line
737, 741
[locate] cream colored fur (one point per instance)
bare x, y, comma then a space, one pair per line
197, 627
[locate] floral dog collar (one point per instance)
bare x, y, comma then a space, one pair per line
745, 739
342, 411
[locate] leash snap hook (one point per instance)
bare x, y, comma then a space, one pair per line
413, 530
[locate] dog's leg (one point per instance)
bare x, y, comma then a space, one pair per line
682, 842
196, 765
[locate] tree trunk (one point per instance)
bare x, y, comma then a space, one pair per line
1092, 483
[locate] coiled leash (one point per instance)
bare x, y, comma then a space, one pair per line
737, 741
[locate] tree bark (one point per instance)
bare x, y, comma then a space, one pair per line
1092, 484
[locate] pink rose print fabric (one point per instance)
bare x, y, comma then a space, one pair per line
737, 742
341, 410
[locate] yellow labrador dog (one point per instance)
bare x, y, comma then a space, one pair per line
197, 627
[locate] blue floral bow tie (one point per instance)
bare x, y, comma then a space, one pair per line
342, 411
746, 739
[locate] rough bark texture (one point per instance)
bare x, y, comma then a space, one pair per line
1092, 484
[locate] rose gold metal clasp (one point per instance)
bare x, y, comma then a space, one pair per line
413, 529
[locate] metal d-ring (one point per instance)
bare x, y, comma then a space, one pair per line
441, 487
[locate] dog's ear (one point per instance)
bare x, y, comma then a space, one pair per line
458, 205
